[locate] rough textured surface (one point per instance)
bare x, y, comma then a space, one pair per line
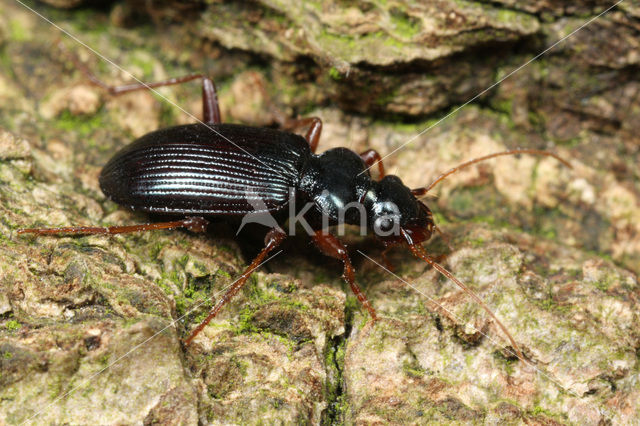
90, 327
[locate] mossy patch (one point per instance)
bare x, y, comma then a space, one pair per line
82, 125
12, 325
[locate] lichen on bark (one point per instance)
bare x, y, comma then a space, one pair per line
90, 327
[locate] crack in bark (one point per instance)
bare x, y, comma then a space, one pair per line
336, 393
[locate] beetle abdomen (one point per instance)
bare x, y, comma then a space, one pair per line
192, 169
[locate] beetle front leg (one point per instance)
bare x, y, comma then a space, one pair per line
331, 246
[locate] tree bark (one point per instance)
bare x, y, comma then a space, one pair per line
90, 327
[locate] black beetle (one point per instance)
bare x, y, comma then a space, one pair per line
211, 169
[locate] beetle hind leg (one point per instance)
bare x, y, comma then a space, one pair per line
210, 107
195, 224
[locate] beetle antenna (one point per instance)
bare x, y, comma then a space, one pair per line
419, 252
422, 191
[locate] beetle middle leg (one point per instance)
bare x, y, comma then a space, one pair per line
313, 133
331, 246
370, 158
314, 126
314, 123
272, 240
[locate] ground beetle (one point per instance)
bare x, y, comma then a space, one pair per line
211, 169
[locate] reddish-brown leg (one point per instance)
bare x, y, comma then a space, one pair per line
315, 124
331, 246
210, 107
313, 133
272, 240
371, 157
195, 224
385, 259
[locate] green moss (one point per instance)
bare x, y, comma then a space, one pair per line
182, 261
606, 281
413, 369
477, 242
82, 125
85, 20
245, 323
335, 74
352, 305
537, 411
509, 16
462, 201
17, 32
337, 40
503, 105
380, 37
12, 325
104, 360
439, 218
404, 25
506, 363
55, 387
128, 322
145, 65
156, 249
200, 267
334, 360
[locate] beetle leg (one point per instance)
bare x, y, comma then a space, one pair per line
210, 107
385, 259
371, 157
272, 240
331, 246
195, 224
313, 133
315, 124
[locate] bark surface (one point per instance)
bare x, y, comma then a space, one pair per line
90, 327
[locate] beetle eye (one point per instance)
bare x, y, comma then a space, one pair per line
385, 225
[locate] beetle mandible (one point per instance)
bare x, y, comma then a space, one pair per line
202, 170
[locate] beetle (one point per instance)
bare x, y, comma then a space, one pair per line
212, 169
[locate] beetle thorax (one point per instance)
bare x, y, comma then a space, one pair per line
335, 182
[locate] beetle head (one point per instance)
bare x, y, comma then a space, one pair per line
395, 215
